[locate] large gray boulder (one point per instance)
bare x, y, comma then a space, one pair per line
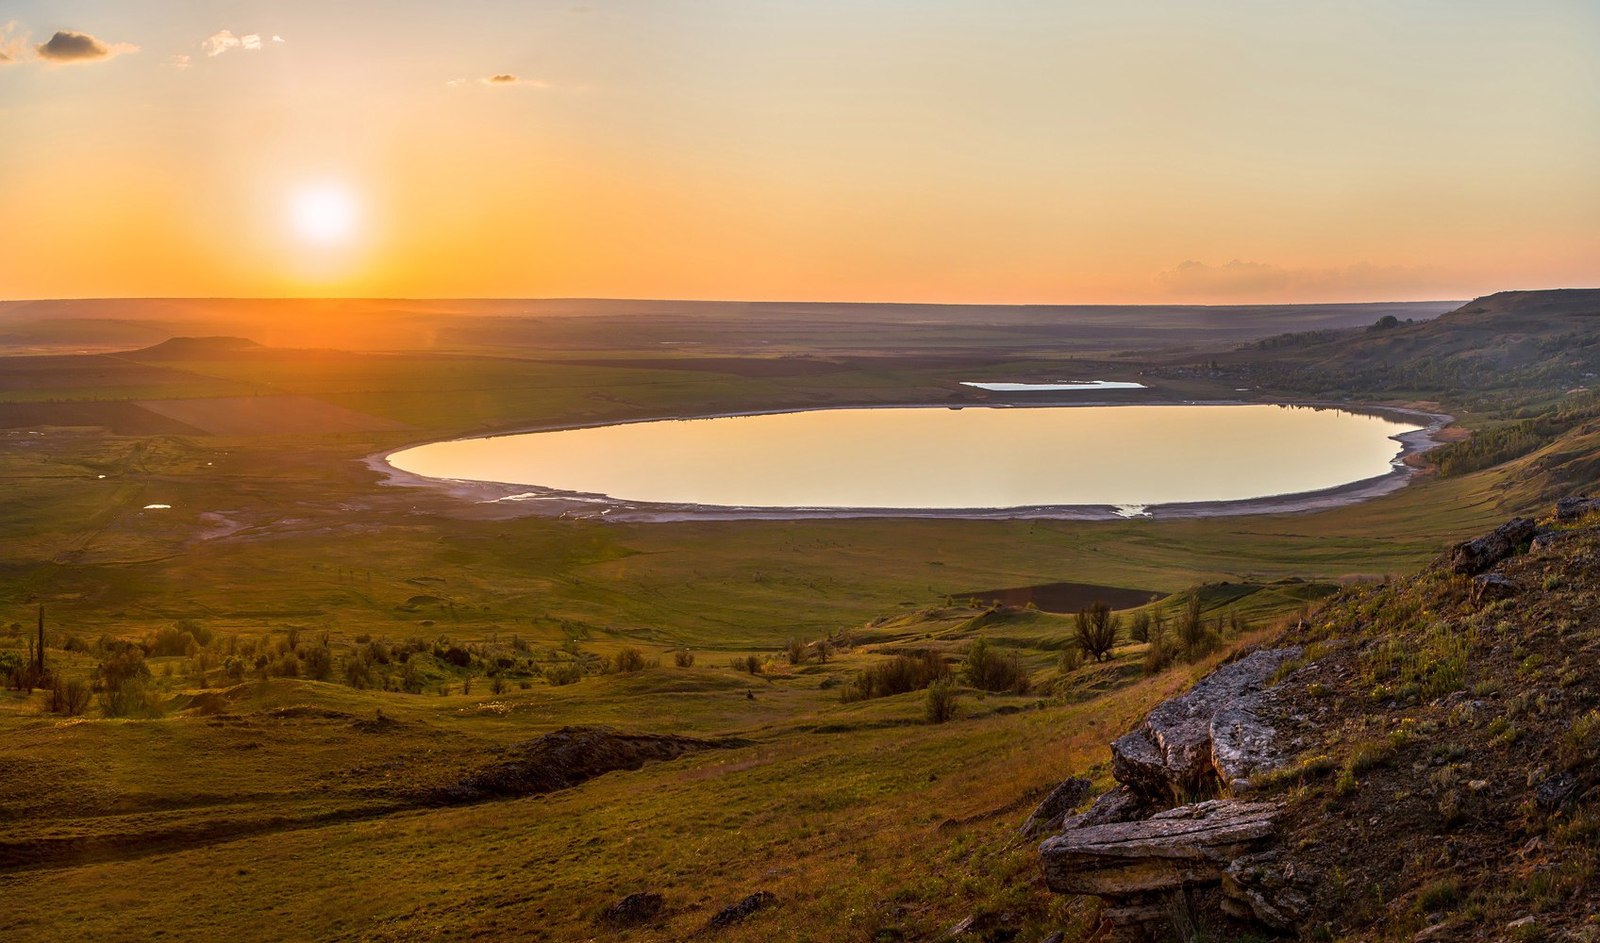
1170, 757
1576, 507
1471, 557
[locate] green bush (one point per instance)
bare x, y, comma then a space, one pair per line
125, 686
567, 672
941, 701
995, 671
171, 642
898, 675
627, 660
317, 661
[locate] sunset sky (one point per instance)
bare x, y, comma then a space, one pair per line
906, 150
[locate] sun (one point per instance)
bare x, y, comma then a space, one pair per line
324, 214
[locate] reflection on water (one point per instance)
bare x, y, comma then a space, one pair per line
929, 458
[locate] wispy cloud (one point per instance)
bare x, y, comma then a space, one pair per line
500, 80
223, 40
13, 43
179, 62
70, 46
1239, 278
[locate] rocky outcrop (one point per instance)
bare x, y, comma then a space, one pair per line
1488, 587
1052, 813
1172, 756
1472, 557
738, 913
1135, 850
1137, 866
1576, 508
565, 758
633, 910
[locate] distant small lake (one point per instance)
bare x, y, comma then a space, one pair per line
931, 458
1059, 386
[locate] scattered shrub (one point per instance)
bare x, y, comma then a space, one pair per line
795, 651
201, 634
1580, 746
125, 686
567, 672
317, 661
1071, 658
683, 658
898, 675
171, 642
358, 672
995, 671
68, 697
627, 660
287, 666
941, 701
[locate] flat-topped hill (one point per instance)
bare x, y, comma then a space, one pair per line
195, 348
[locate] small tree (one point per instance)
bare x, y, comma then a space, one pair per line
1191, 626
1139, 626
1097, 631
795, 651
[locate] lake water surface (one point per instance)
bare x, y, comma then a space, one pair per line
932, 458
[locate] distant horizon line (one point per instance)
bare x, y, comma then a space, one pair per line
769, 301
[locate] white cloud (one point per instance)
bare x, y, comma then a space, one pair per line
220, 42
223, 40
179, 62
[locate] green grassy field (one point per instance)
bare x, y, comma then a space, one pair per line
269, 807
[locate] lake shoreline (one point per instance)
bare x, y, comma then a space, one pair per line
498, 500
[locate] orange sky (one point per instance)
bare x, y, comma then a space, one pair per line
907, 150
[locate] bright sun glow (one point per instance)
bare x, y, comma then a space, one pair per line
324, 214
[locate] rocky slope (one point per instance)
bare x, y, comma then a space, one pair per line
1421, 760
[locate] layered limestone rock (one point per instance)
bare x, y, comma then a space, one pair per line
1135, 850
1138, 866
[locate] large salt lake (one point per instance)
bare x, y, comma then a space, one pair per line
933, 458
